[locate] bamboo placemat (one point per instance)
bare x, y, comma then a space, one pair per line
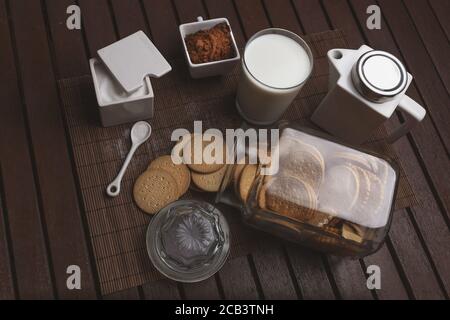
116, 226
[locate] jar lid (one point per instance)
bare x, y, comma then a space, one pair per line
188, 241
379, 76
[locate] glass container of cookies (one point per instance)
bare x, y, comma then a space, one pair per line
325, 195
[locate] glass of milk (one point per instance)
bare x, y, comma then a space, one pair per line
275, 66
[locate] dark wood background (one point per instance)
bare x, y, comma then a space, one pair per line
42, 224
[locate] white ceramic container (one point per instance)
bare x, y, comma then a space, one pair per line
366, 86
116, 106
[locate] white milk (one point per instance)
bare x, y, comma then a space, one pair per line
274, 68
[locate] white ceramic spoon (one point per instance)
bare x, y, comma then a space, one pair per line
140, 133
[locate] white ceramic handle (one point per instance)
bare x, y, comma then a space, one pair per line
113, 189
415, 112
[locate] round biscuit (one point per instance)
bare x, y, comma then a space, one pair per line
180, 172
155, 189
291, 197
246, 180
199, 149
209, 182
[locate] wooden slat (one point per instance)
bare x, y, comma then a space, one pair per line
205, 290
130, 294
310, 272
161, 18
412, 257
428, 215
355, 289
28, 247
392, 286
421, 66
189, 10
441, 9
98, 24
161, 290
433, 37
282, 15
273, 272
311, 15
252, 16
344, 21
70, 56
66, 236
238, 281
7, 290
129, 17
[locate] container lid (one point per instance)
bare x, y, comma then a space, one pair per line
188, 241
379, 76
133, 58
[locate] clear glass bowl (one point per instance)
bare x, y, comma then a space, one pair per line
188, 241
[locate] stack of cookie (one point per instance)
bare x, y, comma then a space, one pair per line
293, 191
207, 174
248, 170
162, 183
165, 182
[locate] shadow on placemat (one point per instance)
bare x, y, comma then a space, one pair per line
116, 226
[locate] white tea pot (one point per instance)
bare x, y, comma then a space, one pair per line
365, 88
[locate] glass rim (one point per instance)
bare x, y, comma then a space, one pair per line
290, 35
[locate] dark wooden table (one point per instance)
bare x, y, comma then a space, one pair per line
42, 224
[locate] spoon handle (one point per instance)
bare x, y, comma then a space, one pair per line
113, 189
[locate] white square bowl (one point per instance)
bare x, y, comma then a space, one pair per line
122, 107
209, 69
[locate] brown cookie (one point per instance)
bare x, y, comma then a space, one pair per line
209, 182
305, 163
289, 196
320, 219
203, 166
292, 143
351, 232
180, 172
155, 189
237, 176
246, 180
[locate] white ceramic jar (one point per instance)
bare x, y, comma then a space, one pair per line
365, 88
